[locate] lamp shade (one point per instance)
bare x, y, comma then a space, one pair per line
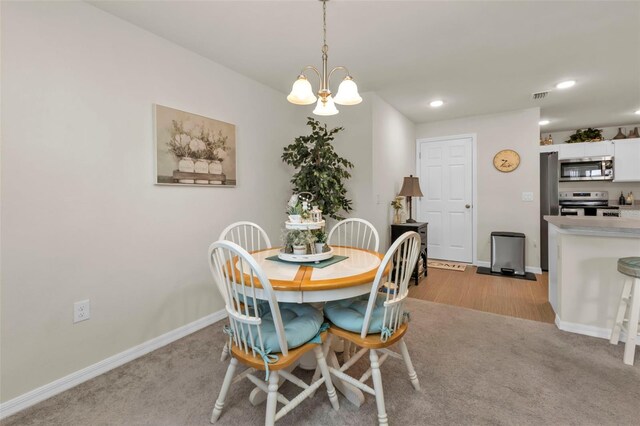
326, 108
301, 92
348, 93
411, 187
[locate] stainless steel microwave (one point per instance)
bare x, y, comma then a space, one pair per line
590, 168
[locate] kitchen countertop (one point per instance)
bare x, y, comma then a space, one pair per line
596, 223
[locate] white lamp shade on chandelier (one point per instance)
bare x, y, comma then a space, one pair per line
347, 93
327, 107
302, 92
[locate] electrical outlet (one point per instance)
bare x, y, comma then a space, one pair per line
81, 311
527, 196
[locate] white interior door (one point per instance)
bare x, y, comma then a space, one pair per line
446, 180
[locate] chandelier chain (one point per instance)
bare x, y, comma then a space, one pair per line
324, 24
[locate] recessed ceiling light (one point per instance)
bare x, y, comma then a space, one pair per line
565, 84
437, 103
637, 112
543, 122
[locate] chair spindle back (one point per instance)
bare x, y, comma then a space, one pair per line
402, 256
238, 277
247, 235
354, 232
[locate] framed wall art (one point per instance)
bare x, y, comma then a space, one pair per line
193, 150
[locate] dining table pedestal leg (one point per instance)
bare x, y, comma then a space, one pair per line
352, 393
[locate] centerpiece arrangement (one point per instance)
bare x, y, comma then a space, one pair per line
304, 238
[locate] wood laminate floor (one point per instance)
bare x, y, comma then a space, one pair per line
488, 293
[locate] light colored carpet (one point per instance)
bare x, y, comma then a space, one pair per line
445, 264
475, 368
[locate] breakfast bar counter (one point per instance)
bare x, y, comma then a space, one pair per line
584, 285
596, 224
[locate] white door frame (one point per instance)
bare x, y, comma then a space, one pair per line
474, 187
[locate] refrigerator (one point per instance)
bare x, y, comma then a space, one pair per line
548, 201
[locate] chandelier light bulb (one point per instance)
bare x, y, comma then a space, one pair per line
637, 112
437, 103
543, 122
326, 108
348, 93
301, 92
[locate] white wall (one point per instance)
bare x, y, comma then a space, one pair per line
394, 157
81, 217
500, 206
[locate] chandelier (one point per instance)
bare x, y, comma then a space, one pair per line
302, 93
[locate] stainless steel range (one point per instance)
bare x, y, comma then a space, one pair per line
574, 203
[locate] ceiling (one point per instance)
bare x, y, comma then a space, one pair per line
479, 57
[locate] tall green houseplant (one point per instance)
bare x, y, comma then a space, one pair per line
320, 170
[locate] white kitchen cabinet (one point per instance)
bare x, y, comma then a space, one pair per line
626, 162
571, 150
598, 149
585, 149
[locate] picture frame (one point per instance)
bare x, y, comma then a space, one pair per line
193, 150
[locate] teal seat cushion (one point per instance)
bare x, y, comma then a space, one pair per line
349, 313
263, 305
301, 322
629, 266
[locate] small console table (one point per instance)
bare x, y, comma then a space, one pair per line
421, 228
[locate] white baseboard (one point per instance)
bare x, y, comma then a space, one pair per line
534, 269
587, 330
47, 391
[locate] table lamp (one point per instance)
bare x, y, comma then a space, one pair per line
410, 188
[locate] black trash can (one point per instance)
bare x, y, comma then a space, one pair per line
507, 253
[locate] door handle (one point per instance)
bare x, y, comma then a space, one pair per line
467, 206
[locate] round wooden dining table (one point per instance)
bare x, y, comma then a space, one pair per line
296, 283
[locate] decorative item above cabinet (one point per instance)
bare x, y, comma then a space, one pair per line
587, 135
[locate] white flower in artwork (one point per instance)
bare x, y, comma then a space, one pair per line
221, 154
293, 201
197, 145
183, 139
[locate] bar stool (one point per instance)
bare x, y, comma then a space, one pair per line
629, 302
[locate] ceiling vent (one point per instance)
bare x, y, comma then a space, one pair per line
539, 95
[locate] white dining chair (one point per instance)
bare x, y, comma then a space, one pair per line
265, 339
376, 321
249, 236
354, 232
359, 233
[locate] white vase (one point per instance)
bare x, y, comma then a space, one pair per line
201, 166
302, 249
215, 168
295, 218
186, 165
319, 247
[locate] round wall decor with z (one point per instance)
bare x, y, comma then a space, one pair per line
506, 160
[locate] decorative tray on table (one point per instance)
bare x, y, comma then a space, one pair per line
304, 225
317, 257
